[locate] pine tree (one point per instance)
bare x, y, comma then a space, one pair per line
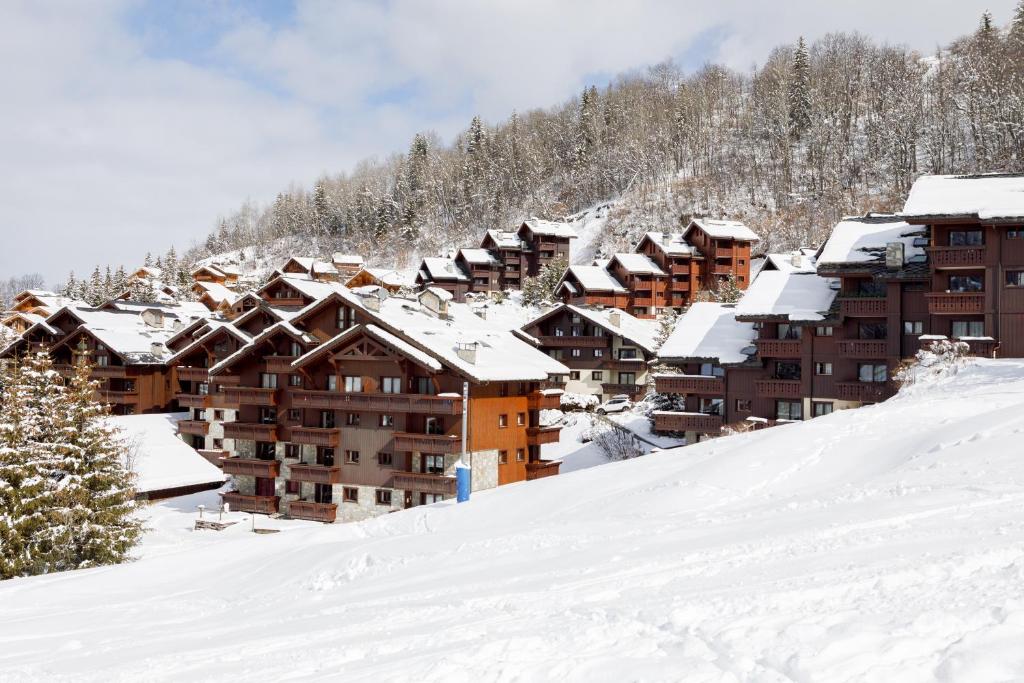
800, 91
1015, 37
95, 291
542, 287
120, 282
71, 286
148, 260
108, 285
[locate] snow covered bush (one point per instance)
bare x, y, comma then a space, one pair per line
942, 358
579, 401
550, 417
616, 444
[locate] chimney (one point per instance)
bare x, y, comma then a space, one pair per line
153, 318
157, 349
467, 351
894, 255
796, 259
615, 319
435, 301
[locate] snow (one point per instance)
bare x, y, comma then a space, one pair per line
883, 543
218, 292
595, 279
857, 240
793, 294
505, 240
639, 332
638, 263
721, 229
589, 226
671, 244
797, 261
709, 331
550, 228
443, 269
341, 259
986, 197
476, 255
159, 458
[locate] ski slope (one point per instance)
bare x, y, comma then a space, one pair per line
881, 544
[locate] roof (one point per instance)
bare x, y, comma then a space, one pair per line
438, 268
798, 260
213, 269
215, 327
283, 326
549, 228
671, 244
638, 332
793, 295
218, 292
595, 278
160, 459
505, 240
722, 229
638, 263
347, 259
709, 331
476, 255
986, 197
863, 239
377, 333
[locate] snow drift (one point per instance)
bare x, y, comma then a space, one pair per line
885, 543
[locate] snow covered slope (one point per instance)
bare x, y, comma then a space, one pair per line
885, 544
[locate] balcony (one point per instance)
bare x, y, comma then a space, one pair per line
195, 427
191, 374
864, 348
680, 269
117, 397
286, 301
214, 457
316, 474
424, 482
956, 303
631, 390
194, 400
250, 396
575, 342
687, 422
542, 468
108, 371
984, 348
864, 392
250, 431
724, 252
625, 364
778, 388
778, 348
376, 402
439, 444
552, 384
279, 364
538, 436
316, 436
542, 401
314, 512
723, 269
252, 467
863, 307
689, 384
957, 257
263, 505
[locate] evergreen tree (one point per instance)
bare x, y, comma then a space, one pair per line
108, 285
95, 291
149, 260
800, 91
1015, 36
71, 286
120, 281
542, 287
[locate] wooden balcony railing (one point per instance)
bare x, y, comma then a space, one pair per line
286, 301
541, 469
863, 348
552, 384
250, 396
107, 371
214, 457
538, 436
778, 388
865, 392
428, 443
194, 400
778, 348
724, 252
426, 483
377, 402
279, 364
687, 422
117, 397
196, 427
263, 505
689, 384
957, 257
863, 307
192, 374
680, 269
252, 467
316, 474
250, 431
316, 436
631, 390
314, 512
540, 401
575, 342
956, 302
723, 268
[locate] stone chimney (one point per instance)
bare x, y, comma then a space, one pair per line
797, 259
157, 349
894, 255
467, 351
435, 301
615, 319
153, 318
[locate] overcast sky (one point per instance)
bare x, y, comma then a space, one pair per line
126, 125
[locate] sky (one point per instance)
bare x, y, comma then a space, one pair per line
127, 126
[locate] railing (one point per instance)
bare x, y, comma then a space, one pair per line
377, 402
192, 374
119, 397
252, 467
316, 474
627, 364
193, 400
957, 257
105, 371
863, 348
687, 422
956, 302
250, 431
552, 384
985, 348
196, 427
689, 384
778, 348
680, 269
314, 512
286, 301
539, 401
630, 390
542, 468
427, 483
428, 443
589, 342
724, 252
862, 307
250, 396
865, 392
279, 363
316, 436
778, 388
723, 269
263, 505
538, 436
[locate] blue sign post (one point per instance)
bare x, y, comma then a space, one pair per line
463, 470
462, 482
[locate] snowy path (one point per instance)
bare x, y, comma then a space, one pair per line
880, 544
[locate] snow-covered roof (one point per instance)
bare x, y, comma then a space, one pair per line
638, 263
476, 255
442, 294
159, 458
671, 244
33, 292
722, 229
438, 268
214, 328
209, 268
282, 326
709, 331
505, 240
798, 260
595, 278
791, 294
218, 292
985, 197
863, 239
347, 259
639, 332
550, 228
324, 267
374, 332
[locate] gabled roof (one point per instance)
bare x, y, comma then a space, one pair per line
213, 270
986, 197
376, 333
216, 291
799, 260
630, 328
341, 259
282, 327
671, 244
549, 228
215, 329
709, 332
722, 229
189, 329
387, 276
479, 256
790, 295
134, 345
441, 269
503, 239
593, 279
862, 240
636, 264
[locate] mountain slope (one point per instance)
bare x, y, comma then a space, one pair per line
885, 543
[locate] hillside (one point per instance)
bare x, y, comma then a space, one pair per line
885, 543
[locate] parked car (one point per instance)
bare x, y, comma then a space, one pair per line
616, 404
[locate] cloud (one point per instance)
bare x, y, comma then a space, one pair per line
123, 132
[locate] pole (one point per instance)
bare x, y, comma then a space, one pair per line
463, 469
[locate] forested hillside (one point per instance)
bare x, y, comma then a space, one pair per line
840, 126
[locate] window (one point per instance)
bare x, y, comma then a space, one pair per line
968, 328
422, 385
824, 331
503, 420
965, 283
575, 353
268, 381
1015, 234
965, 238
789, 410
822, 408
597, 375
870, 288
386, 459
326, 419
383, 497
743, 405
100, 347
102, 361
822, 368
520, 419
559, 332
786, 369
294, 380
433, 425
346, 318
712, 370
872, 372
1015, 278
712, 406
788, 331
627, 378
574, 374
574, 331
352, 457
296, 350
265, 451
294, 415
218, 444
387, 420
391, 385
598, 353
353, 384
352, 419
332, 383
913, 327
268, 416
292, 487
350, 494
433, 464
520, 455
627, 354
872, 331
218, 415
291, 450
198, 414
203, 389
502, 457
